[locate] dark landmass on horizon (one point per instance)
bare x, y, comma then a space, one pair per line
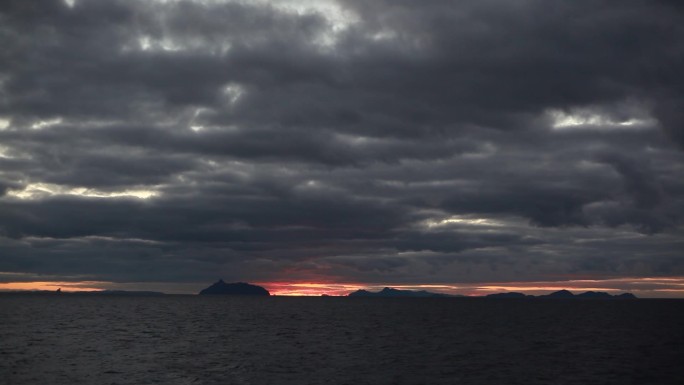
237, 288
561, 294
391, 292
566, 294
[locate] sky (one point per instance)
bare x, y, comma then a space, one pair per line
321, 146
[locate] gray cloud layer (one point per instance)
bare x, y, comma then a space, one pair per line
384, 141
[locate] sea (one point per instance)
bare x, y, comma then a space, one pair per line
88, 339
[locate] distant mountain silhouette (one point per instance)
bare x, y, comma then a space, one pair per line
588, 295
391, 292
625, 296
559, 294
511, 294
594, 294
238, 288
566, 294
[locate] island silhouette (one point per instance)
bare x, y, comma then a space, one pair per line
565, 294
236, 288
389, 292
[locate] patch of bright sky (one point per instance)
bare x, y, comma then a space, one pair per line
167, 44
46, 123
233, 92
589, 119
337, 18
193, 126
4, 152
462, 220
35, 191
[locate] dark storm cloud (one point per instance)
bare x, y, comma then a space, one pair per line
363, 141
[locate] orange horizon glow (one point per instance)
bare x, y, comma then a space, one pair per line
309, 289
51, 286
672, 286
642, 287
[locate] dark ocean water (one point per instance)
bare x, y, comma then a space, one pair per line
73, 339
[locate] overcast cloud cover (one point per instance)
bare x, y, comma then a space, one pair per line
403, 142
